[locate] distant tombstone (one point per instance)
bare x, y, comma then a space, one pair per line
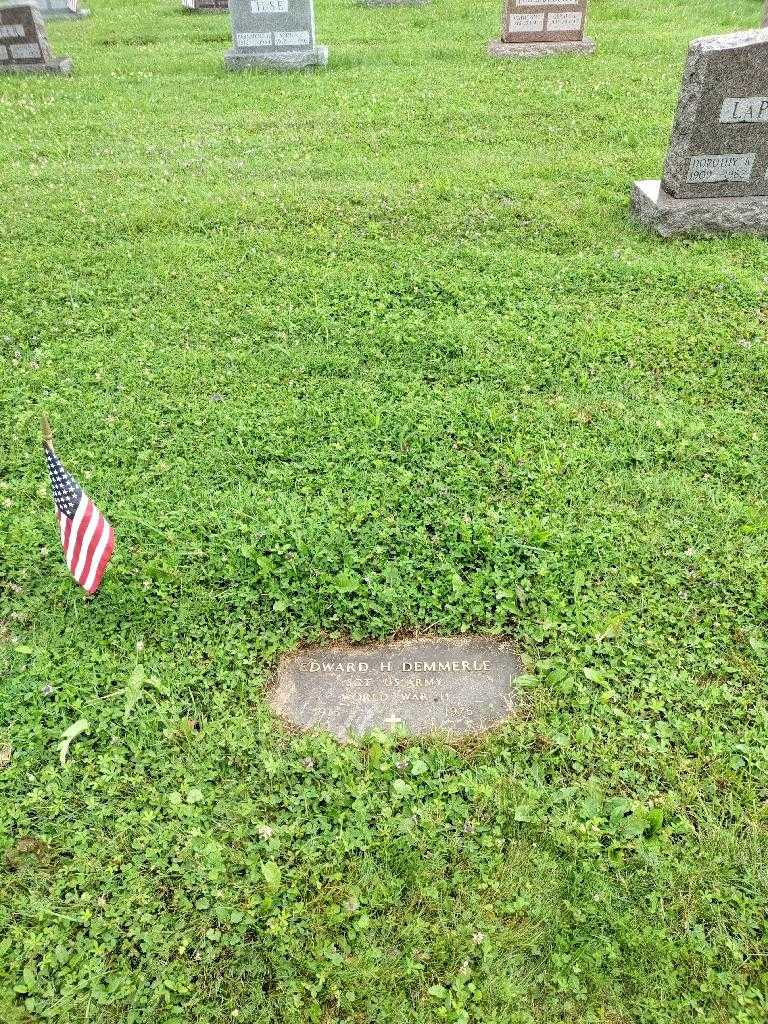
206, 6
542, 28
765, 15
24, 45
457, 686
716, 172
277, 34
52, 9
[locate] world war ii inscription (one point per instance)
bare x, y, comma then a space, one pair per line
457, 686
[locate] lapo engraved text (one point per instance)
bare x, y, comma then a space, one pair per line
744, 110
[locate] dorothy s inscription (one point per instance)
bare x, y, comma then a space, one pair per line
722, 167
456, 685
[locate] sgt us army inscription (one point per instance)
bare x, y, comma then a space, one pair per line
456, 686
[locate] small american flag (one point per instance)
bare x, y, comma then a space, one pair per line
86, 536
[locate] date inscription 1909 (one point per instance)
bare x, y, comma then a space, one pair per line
456, 685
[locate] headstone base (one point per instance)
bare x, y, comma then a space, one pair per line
584, 47
658, 211
278, 60
65, 15
55, 66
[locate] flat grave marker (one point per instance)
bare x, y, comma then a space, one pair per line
542, 28
457, 686
276, 34
24, 46
716, 172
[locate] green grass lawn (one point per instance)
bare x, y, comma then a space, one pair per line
345, 354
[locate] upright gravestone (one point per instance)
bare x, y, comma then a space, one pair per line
716, 172
51, 9
24, 45
277, 34
206, 5
765, 15
541, 28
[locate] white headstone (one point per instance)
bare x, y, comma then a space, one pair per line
52, 9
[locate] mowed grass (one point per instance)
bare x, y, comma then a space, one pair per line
351, 353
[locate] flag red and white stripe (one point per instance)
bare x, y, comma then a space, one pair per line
87, 538
88, 541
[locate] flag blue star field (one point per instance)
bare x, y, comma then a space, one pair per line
86, 536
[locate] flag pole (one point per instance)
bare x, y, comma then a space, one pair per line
47, 434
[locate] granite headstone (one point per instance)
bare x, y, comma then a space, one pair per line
457, 686
277, 34
539, 28
52, 9
716, 171
24, 45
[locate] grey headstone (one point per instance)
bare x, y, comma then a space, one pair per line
543, 21
716, 172
277, 34
24, 45
457, 686
52, 9
719, 144
542, 28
